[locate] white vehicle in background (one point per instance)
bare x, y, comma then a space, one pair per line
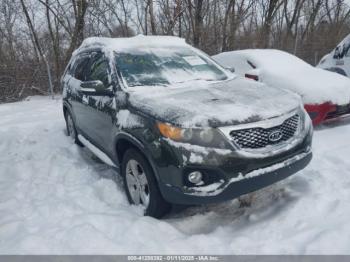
326, 95
339, 59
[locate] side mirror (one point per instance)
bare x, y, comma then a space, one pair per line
231, 69
95, 88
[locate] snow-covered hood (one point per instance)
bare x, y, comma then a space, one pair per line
314, 85
213, 104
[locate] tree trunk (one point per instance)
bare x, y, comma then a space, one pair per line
198, 23
78, 33
38, 46
151, 17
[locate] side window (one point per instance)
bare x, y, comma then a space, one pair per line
80, 67
99, 69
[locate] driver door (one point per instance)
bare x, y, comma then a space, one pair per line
101, 109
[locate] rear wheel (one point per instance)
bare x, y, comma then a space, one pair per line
141, 186
71, 130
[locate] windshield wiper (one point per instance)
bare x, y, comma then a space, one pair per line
196, 79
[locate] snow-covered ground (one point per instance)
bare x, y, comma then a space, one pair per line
56, 198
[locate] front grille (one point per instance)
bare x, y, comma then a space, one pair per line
255, 138
340, 110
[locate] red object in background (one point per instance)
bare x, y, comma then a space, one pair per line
319, 113
253, 77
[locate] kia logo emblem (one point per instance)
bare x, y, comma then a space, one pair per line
275, 136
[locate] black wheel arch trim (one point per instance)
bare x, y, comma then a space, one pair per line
137, 144
68, 106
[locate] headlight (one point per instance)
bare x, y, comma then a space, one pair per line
206, 137
171, 132
306, 120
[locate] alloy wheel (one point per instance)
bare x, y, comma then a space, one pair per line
137, 183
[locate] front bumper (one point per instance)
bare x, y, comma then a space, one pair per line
229, 174
236, 187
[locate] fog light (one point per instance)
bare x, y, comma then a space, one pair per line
195, 177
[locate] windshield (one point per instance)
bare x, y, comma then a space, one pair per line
166, 66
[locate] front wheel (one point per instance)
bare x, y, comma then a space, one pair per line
141, 186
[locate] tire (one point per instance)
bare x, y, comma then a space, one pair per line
71, 130
141, 186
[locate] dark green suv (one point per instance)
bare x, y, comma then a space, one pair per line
179, 127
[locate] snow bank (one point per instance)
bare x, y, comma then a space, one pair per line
282, 70
56, 198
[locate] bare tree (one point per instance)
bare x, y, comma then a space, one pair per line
269, 10
79, 7
37, 45
307, 28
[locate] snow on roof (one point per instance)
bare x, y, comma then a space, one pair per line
139, 41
